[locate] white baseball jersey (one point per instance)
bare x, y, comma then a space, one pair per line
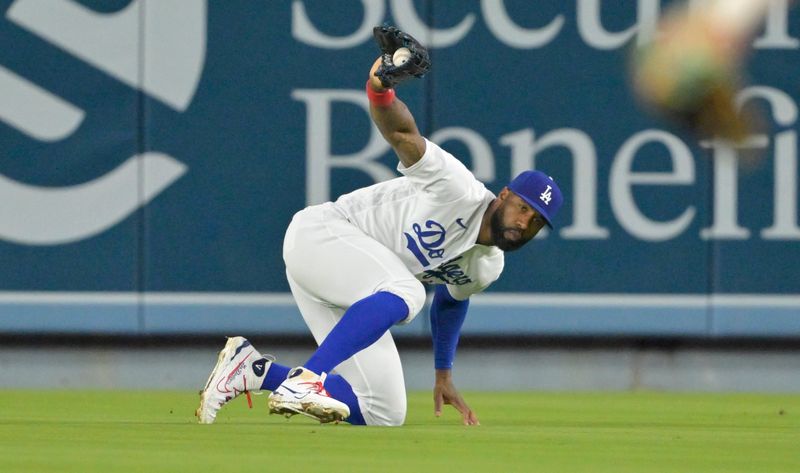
430, 218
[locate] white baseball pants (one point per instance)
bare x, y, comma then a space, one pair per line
331, 264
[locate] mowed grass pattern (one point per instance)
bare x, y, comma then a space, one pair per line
155, 431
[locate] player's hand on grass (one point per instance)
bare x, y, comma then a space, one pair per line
445, 392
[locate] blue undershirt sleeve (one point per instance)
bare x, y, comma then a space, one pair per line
447, 317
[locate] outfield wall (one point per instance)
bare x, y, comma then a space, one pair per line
154, 152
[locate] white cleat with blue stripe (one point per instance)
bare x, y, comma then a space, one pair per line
240, 369
303, 392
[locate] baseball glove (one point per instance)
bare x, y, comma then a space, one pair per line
389, 40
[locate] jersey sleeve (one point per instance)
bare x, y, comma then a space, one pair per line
487, 269
441, 175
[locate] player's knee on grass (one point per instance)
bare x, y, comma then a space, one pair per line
391, 413
413, 294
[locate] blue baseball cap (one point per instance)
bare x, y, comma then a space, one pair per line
540, 191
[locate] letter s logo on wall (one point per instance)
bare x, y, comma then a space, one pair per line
174, 43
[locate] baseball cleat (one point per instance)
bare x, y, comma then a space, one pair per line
303, 392
240, 369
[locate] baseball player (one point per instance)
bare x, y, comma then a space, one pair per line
356, 267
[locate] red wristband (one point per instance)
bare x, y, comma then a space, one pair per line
380, 99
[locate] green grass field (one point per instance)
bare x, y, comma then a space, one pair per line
154, 431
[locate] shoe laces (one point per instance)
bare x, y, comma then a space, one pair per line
318, 386
247, 392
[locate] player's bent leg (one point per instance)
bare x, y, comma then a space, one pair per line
360, 326
240, 369
376, 375
333, 399
332, 265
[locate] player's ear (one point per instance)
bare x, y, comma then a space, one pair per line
503, 193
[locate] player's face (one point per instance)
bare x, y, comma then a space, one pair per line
514, 223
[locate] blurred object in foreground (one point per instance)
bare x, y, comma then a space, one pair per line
691, 71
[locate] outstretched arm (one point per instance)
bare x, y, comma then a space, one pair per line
395, 123
402, 58
447, 317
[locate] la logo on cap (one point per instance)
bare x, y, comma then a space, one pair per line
546, 196
540, 191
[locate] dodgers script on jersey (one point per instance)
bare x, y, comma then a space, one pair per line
430, 218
